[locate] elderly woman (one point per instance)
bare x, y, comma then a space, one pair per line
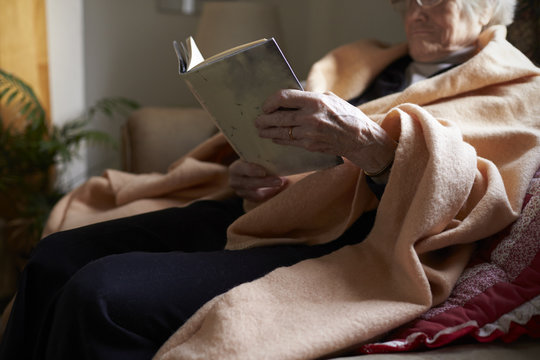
440, 138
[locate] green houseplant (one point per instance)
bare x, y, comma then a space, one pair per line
30, 151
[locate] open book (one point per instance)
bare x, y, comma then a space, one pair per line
232, 86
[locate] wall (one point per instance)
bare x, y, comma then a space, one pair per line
128, 52
313, 27
128, 47
66, 73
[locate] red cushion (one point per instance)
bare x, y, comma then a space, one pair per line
496, 297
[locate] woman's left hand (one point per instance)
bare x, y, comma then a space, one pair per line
328, 124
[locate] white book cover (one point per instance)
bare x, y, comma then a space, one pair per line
232, 86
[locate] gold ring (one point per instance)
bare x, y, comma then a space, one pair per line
291, 137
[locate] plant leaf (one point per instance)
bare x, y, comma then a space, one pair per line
12, 96
4, 92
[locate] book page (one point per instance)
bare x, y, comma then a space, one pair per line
195, 56
232, 51
188, 55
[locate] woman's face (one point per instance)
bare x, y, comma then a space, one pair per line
436, 32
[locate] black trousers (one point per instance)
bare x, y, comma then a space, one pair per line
118, 289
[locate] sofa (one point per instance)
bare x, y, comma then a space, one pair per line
154, 137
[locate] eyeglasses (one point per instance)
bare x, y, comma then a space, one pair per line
403, 5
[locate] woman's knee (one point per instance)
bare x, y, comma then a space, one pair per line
102, 297
108, 288
48, 259
88, 300
92, 312
92, 285
63, 253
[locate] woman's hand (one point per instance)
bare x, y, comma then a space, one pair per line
328, 124
252, 182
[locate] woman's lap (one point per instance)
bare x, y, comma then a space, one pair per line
59, 256
134, 281
142, 298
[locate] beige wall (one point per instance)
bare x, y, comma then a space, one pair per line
66, 74
313, 27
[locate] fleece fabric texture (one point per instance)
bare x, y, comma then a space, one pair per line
469, 143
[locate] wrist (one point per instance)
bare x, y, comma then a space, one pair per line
373, 152
385, 169
381, 160
379, 168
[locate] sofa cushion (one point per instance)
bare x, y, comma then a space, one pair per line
153, 138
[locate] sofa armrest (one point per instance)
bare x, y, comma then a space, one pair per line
153, 138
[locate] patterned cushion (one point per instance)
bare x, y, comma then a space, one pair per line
496, 297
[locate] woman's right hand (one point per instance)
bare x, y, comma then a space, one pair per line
252, 182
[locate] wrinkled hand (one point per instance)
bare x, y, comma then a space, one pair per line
325, 123
252, 182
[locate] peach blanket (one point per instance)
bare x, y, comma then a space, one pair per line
469, 142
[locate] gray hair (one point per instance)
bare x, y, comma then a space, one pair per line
503, 10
